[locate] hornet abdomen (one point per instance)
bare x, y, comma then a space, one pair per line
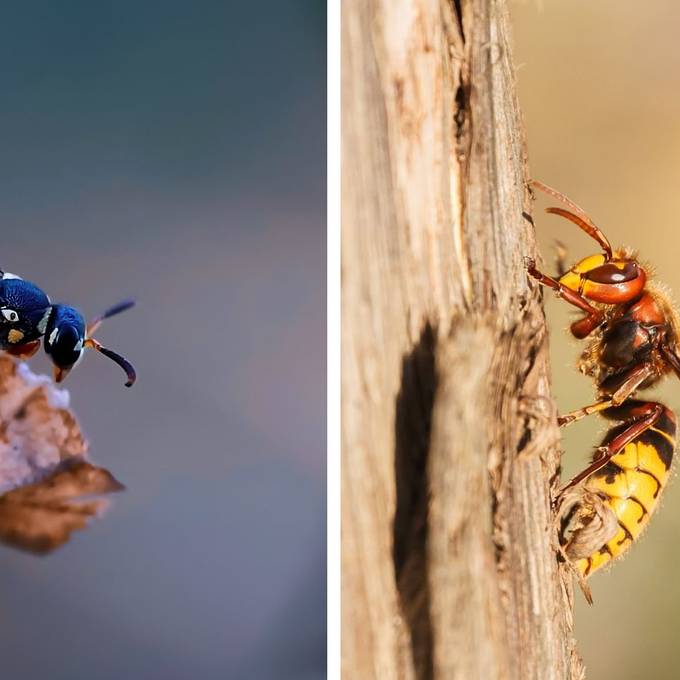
631, 482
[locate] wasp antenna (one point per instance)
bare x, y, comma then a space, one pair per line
576, 215
123, 363
587, 226
118, 308
111, 311
114, 356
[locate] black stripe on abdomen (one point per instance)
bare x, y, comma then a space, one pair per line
660, 443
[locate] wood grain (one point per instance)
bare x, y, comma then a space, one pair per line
449, 438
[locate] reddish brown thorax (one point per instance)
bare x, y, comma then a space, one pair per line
646, 311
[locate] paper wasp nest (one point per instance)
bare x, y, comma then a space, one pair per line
48, 489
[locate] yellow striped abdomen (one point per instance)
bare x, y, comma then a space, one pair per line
630, 485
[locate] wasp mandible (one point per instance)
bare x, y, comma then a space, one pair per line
633, 331
27, 315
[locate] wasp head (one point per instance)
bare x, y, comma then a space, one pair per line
67, 336
64, 339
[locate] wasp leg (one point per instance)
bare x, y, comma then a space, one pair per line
579, 413
583, 327
25, 351
645, 415
632, 381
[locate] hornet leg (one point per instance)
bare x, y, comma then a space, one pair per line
635, 378
583, 327
645, 415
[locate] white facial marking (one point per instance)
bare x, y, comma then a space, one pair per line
79, 345
9, 275
42, 324
9, 315
53, 336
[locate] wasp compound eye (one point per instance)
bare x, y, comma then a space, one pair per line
64, 345
614, 272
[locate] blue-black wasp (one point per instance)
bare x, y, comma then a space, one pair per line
27, 315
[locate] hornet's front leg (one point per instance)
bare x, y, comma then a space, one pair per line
583, 327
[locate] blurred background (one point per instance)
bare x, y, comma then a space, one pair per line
175, 152
598, 86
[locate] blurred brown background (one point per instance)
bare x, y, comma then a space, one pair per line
175, 152
599, 88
